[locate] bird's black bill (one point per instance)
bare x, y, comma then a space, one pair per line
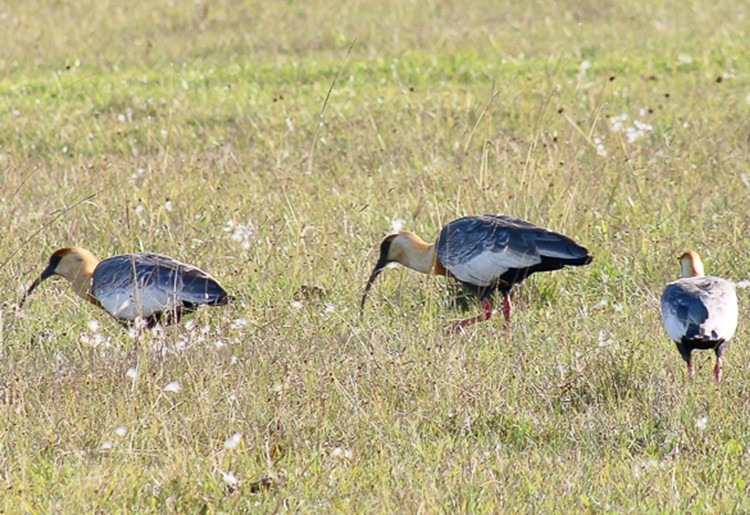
382, 262
385, 248
48, 272
371, 280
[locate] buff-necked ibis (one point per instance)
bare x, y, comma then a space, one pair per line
699, 311
484, 253
153, 287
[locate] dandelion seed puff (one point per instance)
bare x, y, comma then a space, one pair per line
132, 373
701, 422
233, 441
121, 431
229, 478
397, 224
601, 304
173, 387
643, 126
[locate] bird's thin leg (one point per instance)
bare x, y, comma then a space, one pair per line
461, 324
717, 371
691, 372
506, 306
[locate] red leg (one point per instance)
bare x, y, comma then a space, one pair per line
461, 324
506, 306
717, 372
691, 372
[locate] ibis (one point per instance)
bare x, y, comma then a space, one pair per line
152, 287
485, 253
699, 312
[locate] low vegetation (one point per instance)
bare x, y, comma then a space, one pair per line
274, 144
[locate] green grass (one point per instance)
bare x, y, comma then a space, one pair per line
131, 129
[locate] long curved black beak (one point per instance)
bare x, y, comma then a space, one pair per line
48, 272
379, 267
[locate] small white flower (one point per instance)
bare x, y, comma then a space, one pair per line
121, 431
296, 304
240, 232
106, 445
168, 205
93, 325
330, 308
585, 65
744, 283
233, 441
219, 344
238, 323
173, 387
617, 123
684, 59
338, 452
233, 360
601, 150
397, 224
701, 422
229, 478
132, 373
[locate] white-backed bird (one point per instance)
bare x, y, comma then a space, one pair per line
150, 286
699, 311
484, 253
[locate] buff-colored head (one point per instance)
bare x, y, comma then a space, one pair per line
405, 248
691, 265
74, 264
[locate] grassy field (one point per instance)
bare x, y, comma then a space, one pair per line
201, 130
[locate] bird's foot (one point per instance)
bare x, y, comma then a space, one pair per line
460, 326
717, 372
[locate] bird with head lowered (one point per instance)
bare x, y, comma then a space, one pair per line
153, 287
484, 253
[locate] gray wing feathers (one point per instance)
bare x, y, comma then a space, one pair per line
145, 271
524, 242
700, 308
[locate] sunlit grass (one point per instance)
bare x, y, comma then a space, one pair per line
198, 130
